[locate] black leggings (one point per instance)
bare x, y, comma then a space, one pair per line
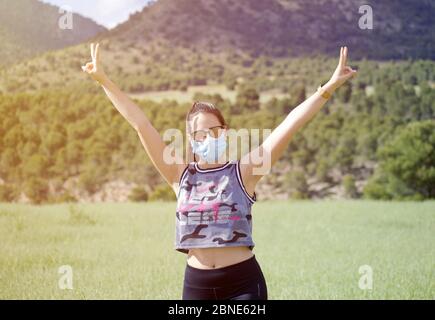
241, 281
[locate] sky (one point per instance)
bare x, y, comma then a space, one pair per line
108, 13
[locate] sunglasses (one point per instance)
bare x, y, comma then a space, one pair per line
214, 132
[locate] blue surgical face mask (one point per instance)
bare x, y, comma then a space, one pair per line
211, 149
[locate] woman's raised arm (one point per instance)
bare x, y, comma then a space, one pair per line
275, 144
149, 136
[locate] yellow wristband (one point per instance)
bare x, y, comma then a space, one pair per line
324, 93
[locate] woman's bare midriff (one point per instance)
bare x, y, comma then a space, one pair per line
213, 258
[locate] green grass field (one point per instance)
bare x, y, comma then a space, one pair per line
307, 250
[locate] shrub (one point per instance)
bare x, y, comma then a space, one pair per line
7, 193
138, 194
89, 181
36, 190
376, 189
407, 162
296, 180
349, 186
163, 192
248, 99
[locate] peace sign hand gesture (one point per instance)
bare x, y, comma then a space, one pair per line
94, 68
343, 72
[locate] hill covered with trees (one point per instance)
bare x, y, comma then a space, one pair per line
175, 44
60, 144
61, 139
287, 27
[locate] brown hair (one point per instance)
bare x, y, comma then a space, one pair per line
197, 107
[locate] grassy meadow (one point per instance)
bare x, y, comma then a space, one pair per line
307, 249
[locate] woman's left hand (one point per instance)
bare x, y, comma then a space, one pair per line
343, 72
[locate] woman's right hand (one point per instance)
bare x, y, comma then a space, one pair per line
94, 68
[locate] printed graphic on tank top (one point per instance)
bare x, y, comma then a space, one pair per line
213, 208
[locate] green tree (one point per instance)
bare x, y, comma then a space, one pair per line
247, 100
296, 181
92, 178
36, 189
7, 193
345, 92
36, 166
9, 159
298, 94
345, 151
54, 141
163, 192
349, 186
376, 188
138, 194
407, 162
279, 107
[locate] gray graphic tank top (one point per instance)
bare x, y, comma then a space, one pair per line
213, 208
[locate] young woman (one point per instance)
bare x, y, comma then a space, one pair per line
213, 217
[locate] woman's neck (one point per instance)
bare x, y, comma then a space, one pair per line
209, 165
